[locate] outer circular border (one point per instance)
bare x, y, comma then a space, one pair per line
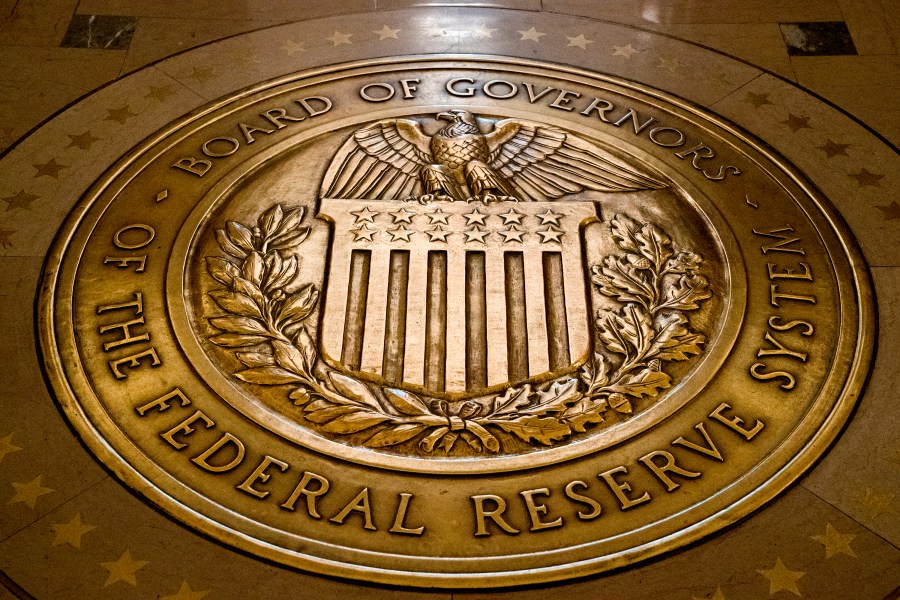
827, 427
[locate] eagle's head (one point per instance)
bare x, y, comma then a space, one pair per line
462, 122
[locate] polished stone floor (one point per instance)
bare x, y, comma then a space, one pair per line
69, 530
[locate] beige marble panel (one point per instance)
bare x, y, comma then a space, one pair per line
36, 82
162, 557
870, 23
861, 474
156, 38
664, 12
240, 10
758, 43
35, 22
866, 86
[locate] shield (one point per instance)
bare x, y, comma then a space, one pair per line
455, 298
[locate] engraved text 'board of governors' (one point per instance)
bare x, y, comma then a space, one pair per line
455, 322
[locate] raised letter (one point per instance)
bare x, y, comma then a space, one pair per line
400, 516
775, 296
185, 428
782, 245
660, 470
735, 423
133, 361
601, 106
359, 504
757, 373
536, 510
709, 450
620, 489
596, 509
202, 460
469, 91
193, 166
496, 515
311, 495
162, 403
259, 474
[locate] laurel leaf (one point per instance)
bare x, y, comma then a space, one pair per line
405, 402
289, 357
221, 270
285, 275
240, 236
353, 422
255, 359
248, 288
543, 430
235, 340
235, 303
395, 435
228, 246
243, 325
289, 240
253, 268
307, 347
300, 305
491, 443
270, 220
354, 390
292, 218
329, 413
267, 376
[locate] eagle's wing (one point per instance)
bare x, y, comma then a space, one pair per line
544, 162
379, 161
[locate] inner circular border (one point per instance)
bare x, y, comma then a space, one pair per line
811, 436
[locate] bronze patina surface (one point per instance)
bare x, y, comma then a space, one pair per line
455, 322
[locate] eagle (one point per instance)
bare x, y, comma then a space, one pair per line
517, 160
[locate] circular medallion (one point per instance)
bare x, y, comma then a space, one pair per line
455, 322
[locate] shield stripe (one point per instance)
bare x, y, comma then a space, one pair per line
456, 321
334, 324
357, 291
436, 322
576, 300
516, 331
376, 309
395, 322
538, 357
554, 296
476, 322
416, 315
496, 319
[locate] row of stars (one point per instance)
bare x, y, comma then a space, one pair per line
440, 234
438, 216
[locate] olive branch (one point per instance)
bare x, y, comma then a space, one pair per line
265, 326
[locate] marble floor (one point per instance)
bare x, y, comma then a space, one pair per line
816, 79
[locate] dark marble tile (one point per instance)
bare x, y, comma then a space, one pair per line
99, 31
818, 39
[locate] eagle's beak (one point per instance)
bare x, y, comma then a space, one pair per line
446, 116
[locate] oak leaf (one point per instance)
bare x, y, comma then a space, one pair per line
543, 430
